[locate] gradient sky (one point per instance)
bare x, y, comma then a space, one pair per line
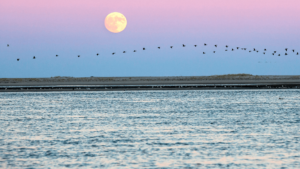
76, 27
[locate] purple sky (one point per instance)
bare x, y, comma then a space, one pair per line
76, 27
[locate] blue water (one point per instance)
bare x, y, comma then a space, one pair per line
151, 129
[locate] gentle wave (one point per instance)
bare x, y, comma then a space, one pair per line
150, 129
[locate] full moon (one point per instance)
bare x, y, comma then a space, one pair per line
115, 22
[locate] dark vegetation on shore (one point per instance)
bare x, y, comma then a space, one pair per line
166, 78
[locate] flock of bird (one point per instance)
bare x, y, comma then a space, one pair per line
226, 49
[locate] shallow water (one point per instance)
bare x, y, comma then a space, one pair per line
168, 129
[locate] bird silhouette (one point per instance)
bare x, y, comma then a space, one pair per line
7, 45
216, 45
286, 49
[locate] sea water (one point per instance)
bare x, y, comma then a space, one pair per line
150, 129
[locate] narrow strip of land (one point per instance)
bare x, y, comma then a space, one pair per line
218, 79
239, 81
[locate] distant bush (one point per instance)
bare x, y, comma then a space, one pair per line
241, 74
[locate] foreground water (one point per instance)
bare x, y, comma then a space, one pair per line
168, 129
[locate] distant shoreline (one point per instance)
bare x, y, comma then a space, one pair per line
218, 79
239, 81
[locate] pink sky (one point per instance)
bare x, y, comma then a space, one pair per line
161, 16
78, 26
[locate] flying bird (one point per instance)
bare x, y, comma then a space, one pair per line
297, 53
286, 54
216, 45
171, 47
250, 51
97, 54
144, 48
134, 51
214, 51
245, 48
265, 49
286, 49
272, 53
7, 45
254, 49
278, 54
232, 49
158, 47
124, 51
113, 53
293, 50
78, 55
203, 52
195, 45
264, 52
225, 49
18, 59
33, 57
237, 47
226, 46
56, 55
257, 51
205, 44
183, 45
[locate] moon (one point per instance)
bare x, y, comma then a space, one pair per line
115, 22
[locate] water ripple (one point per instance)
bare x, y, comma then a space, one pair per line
151, 129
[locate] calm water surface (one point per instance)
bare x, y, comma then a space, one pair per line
151, 129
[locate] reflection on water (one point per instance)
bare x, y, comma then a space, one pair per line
171, 129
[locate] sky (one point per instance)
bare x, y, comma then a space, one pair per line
76, 27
